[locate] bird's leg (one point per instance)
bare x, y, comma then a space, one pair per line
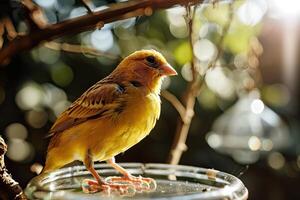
140, 183
92, 186
88, 185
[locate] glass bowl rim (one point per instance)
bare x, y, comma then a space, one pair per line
233, 187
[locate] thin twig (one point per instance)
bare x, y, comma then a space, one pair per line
175, 102
10, 29
74, 48
193, 89
119, 11
183, 126
220, 44
253, 69
36, 18
86, 5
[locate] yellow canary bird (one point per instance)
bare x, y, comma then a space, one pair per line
111, 116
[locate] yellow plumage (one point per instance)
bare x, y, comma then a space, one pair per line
112, 115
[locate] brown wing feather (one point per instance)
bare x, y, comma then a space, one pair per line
102, 99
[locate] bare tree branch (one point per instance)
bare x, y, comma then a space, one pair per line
115, 12
183, 126
73, 48
86, 5
175, 102
36, 18
10, 29
221, 40
193, 89
9, 188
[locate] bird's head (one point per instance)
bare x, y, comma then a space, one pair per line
146, 67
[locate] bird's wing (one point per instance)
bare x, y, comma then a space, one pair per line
98, 101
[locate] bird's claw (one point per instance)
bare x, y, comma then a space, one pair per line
140, 184
90, 186
123, 189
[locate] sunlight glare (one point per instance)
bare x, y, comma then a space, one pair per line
102, 39
257, 106
287, 8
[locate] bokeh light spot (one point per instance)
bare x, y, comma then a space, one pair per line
240, 61
276, 160
209, 30
36, 118
48, 56
52, 95
214, 141
30, 96
16, 130
257, 106
178, 31
19, 150
186, 72
287, 8
61, 74
183, 53
254, 143
217, 80
102, 39
252, 11
36, 168
176, 16
204, 50
267, 144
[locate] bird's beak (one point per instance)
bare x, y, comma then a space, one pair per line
167, 70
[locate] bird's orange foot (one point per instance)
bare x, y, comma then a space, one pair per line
140, 183
91, 186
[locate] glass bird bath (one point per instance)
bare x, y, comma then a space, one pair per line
173, 182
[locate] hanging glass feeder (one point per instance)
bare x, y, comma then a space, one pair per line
248, 129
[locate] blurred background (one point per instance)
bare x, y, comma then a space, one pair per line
247, 113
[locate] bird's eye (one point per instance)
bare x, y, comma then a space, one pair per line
151, 61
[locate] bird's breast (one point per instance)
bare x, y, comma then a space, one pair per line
128, 127
140, 117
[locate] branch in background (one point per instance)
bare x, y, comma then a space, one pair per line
193, 88
73, 48
253, 70
35, 15
10, 29
86, 4
175, 102
9, 188
221, 41
183, 126
7, 25
119, 11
